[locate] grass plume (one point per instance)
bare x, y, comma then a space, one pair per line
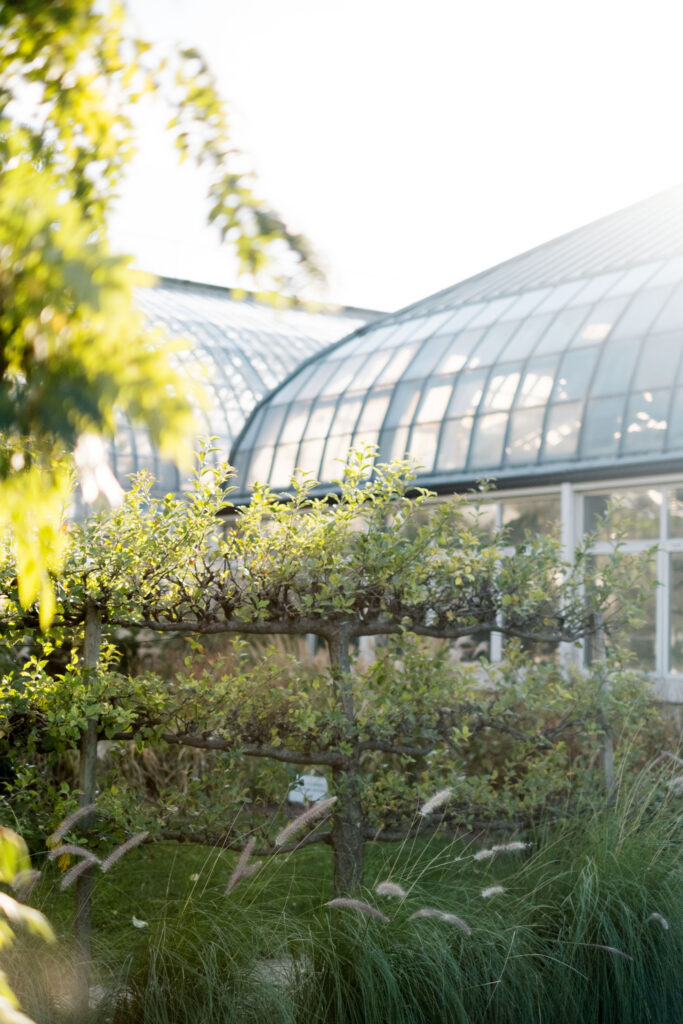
322, 807
441, 915
346, 902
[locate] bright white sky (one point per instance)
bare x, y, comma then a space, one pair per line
417, 142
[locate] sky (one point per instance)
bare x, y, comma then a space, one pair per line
415, 144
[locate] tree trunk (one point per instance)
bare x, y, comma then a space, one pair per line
347, 830
87, 784
347, 827
607, 752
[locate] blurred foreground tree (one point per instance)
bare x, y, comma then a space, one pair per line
366, 562
72, 346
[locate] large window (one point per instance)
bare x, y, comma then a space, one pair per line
648, 517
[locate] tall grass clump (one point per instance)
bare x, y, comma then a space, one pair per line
585, 925
578, 921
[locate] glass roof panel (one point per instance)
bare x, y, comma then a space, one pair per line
467, 393
458, 351
568, 352
491, 312
346, 416
600, 321
434, 403
400, 358
615, 369
321, 419
646, 421
403, 404
455, 443
502, 387
492, 344
334, 459
670, 273
635, 278
259, 467
671, 317
525, 304
598, 287
526, 336
602, 427
428, 354
674, 439
422, 445
574, 377
640, 314
283, 464
295, 422
561, 331
309, 456
374, 411
562, 431
524, 436
658, 362
560, 296
537, 381
487, 443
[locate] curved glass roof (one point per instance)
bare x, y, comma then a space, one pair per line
567, 356
238, 351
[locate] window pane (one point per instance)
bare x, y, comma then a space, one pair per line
638, 516
676, 612
676, 512
640, 640
535, 514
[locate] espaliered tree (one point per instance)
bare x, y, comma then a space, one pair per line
363, 562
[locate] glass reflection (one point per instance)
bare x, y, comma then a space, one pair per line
562, 431
646, 421
524, 436
637, 514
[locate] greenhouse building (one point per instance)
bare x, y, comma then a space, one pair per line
559, 374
